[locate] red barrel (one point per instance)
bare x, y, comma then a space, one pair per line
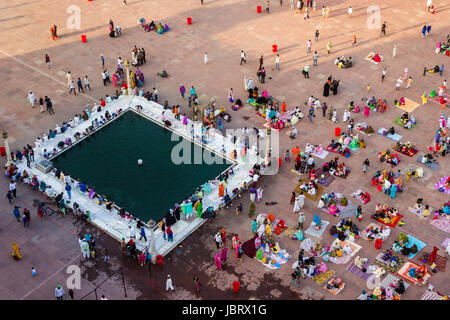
159, 260
2, 151
337, 132
236, 286
83, 38
274, 48
259, 9
378, 243
189, 20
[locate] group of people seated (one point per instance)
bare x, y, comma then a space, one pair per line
385, 214
377, 105
405, 148
338, 147
374, 232
443, 47
406, 121
403, 246
391, 159
364, 197
343, 62
304, 163
345, 229
420, 208
329, 201
159, 28
364, 127
310, 187
310, 148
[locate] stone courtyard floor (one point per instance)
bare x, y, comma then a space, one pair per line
222, 28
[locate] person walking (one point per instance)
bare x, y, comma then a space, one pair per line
72, 88
329, 46
169, 284
197, 282
16, 254
33, 271
80, 85
301, 220
277, 62
86, 83
9, 196
102, 59
306, 71
308, 46
68, 189
428, 29
424, 31
292, 7
316, 35
429, 3
26, 223
383, 29
182, 90
394, 51
49, 105
315, 57
206, 58
267, 6
243, 57
106, 255
261, 62
324, 109
354, 40
311, 113
16, 213
47, 60
143, 235
350, 11
383, 74
41, 104
409, 82
441, 69
13, 188
366, 164
59, 292
31, 98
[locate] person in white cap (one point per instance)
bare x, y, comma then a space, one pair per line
169, 283
32, 98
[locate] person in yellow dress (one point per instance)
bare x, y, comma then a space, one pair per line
268, 229
16, 252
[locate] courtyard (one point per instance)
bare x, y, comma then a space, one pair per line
221, 28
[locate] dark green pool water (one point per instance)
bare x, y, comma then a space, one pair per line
107, 162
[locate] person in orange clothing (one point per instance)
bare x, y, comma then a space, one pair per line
296, 151
16, 252
221, 190
223, 236
283, 107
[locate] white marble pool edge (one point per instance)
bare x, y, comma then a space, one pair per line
109, 220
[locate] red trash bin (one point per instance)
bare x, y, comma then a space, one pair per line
337, 132
2, 151
259, 9
83, 38
189, 20
159, 260
236, 286
274, 48
378, 243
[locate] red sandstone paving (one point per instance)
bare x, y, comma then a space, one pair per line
222, 28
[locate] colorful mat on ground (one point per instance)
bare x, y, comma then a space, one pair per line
318, 194
317, 233
398, 121
440, 261
442, 224
433, 165
446, 242
307, 245
409, 106
414, 241
403, 273
414, 152
322, 156
440, 185
364, 233
392, 224
370, 56
328, 178
352, 268
384, 264
322, 278
419, 212
348, 211
395, 136
347, 155
431, 295
391, 279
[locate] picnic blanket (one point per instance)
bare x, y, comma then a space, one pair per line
328, 178
347, 155
442, 224
440, 185
395, 136
348, 211
391, 279
318, 194
431, 295
335, 291
433, 165
392, 224
419, 212
398, 121
386, 265
446, 243
440, 261
307, 245
413, 241
414, 151
352, 268
370, 56
358, 195
365, 233
322, 156
323, 277
317, 233
409, 105
345, 257
403, 273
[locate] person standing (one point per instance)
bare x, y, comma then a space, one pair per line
155, 94
441, 69
354, 40
292, 7
329, 46
315, 57
182, 90
16, 213
59, 292
192, 92
261, 61
316, 35
301, 220
197, 282
277, 62
409, 82
107, 255
68, 189
47, 60
350, 11
267, 6
31, 98
80, 85
72, 88
311, 113
366, 164
429, 3
206, 58
143, 235
69, 78
383, 74
243, 57
394, 51
324, 109
306, 71
169, 233
9, 196
86, 83
13, 188
169, 284
102, 59
428, 29
424, 31
49, 105
309, 45
383, 29
263, 75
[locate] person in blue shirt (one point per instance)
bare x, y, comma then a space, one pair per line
16, 213
68, 188
83, 187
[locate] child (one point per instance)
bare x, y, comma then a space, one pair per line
366, 164
368, 87
359, 213
286, 156
106, 255
33, 271
239, 209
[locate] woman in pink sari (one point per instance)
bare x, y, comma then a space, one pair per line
115, 80
217, 261
238, 245
366, 111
